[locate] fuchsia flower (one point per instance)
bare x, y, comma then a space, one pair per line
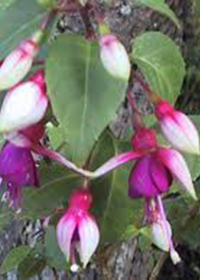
153, 173
18, 63
114, 57
77, 231
177, 128
154, 169
17, 169
160, 228
25, 104
151, 176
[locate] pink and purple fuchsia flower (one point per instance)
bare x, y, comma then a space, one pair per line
154, 171
152, 175
77, 231
17, 169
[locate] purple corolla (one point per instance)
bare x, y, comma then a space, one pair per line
17, 169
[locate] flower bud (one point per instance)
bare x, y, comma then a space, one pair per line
24, 105
177, 128
161, 234
18, 63
114, 57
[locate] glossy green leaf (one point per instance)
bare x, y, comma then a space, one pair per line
14, 258
56, 186
114, 210
18, 21
161, 62
161, 7
84, 96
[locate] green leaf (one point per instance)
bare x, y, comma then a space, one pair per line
55, 258
185, 223
56, 185
18, 21
161, 7
5, 4
114, 210
161, 62
5, 216
84, 96
14, 258
31, 266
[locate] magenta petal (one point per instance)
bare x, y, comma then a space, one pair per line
160, 175
148, 178
140, 181
17, 166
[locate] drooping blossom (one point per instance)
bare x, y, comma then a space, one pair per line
25, 104
77, 231
153, 173
151, 176
161, 232
18, 63
154, 169
17, 169
114, 57
177, 128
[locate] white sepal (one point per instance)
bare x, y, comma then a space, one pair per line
181, 132
23, 106
161, 234
89, 238
175, 162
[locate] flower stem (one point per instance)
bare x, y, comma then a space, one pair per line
107, 167
59, 158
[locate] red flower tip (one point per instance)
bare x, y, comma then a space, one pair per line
163, 109
81, 199
144, 139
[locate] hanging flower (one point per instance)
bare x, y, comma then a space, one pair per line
161, 232
154, 169
77, 231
